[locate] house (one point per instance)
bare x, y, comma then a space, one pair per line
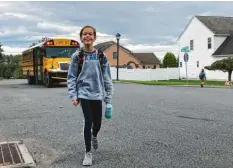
126, 57
148, 60
209, 38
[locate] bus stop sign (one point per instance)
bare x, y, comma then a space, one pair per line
186, 57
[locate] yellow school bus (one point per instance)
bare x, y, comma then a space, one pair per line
48, 62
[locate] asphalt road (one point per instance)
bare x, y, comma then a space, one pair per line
152, 126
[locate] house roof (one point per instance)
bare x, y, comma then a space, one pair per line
226, 48
105, 45
147, 58
218, 24
144, 58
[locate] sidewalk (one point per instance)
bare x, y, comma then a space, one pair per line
186, 85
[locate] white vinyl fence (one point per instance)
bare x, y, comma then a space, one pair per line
216, 75
162, 74
146, 74
210, 75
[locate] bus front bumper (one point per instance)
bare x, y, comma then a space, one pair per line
59, 75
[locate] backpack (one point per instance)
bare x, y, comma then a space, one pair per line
202, 75
80, 59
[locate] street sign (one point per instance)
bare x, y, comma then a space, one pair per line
185, 49
186, 57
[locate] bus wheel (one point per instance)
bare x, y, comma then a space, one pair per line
48, 80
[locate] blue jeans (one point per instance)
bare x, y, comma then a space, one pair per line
92, 111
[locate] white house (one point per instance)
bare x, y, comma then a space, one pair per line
209, 38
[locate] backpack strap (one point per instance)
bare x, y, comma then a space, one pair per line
80, 59
101, 59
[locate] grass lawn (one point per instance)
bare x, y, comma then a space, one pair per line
175, 82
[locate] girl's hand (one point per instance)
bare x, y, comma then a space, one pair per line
75, 102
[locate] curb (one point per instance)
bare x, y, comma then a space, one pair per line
223, 87
122, 82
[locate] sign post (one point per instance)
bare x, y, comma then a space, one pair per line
186, 58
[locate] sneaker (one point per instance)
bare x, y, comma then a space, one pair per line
87, 159
94, 142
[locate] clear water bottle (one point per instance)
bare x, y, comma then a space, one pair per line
108, 111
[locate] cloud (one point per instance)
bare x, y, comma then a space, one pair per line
33, 38
12, 50
18, 15
159, 50
150, 9
189, 17
147, 26
168, 39
151, 48
209, 13
4, 4
58, 27
13, 31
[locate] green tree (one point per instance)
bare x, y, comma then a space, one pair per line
225, 65
17, 73
2, 69
9, 65
32, 44
2, 65
1, 52
43, 39
169, 60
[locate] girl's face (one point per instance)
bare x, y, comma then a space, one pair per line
88, 36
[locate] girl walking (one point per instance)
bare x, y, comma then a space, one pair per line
202, 77
89, 87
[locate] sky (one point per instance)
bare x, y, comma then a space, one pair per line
144, 26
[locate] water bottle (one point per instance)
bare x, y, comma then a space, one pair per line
108, 111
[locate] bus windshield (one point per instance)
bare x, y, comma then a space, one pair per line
60, 51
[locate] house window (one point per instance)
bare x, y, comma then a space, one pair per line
191, 45
209, 43
114, 55
198, 64
180, 64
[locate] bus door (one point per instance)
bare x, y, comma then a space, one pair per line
38, 66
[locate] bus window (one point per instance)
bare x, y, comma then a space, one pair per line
60, 51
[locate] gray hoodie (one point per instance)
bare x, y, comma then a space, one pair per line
92, 83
